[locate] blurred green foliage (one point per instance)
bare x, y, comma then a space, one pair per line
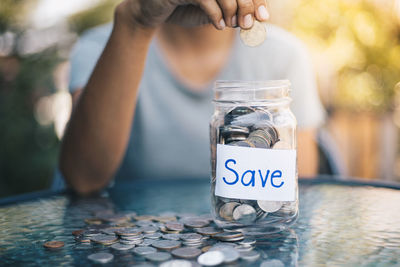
100, 14
360, 42
28, 150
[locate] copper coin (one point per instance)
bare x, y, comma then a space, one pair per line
53, 244
77, 232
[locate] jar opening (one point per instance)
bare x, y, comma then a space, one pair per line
246, 91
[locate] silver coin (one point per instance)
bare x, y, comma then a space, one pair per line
176, 263
104, 239
128, 231
146, 242
131, 242
158, 256
186, 253
230, 255
211, 258
272, 263
101, 257
226, 211
119, 246
269, 206
149, 229
250, 255
244, 214
131, 237
91, 232
174, 226
172, 236
166, 244
144, 250
228, 235
247, 241
191, 237
196, 223
209, 231
153, 236
243, 248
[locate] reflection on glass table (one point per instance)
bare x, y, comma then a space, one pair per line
341, 223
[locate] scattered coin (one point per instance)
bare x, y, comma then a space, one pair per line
128, 231
172, 236
250, 255
269, 206
119, 246
144, 250
208, 231
104, 239
166, 244
174, 226
158, 256
78, 232
176, 263
53, 244
255, 35
272, 263
186, 253
191, 237
101, 257
196, 223
230, 255
211, 258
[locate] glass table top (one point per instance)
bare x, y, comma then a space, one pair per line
339, 225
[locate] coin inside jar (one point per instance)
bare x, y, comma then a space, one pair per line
269, 206
226, 211
244, 214
254, 36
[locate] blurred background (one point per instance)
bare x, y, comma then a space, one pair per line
355, 45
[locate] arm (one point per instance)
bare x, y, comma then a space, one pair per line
98, 132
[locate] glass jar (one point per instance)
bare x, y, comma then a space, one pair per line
254, 187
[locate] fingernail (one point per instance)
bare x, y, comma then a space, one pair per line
262, 11
222, 24
248, 21
234, 21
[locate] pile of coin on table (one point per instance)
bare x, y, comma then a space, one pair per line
167, 240
248, 127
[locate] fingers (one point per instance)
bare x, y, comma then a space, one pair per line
229, 9
212, 9
245, 13
261, 11
234, 13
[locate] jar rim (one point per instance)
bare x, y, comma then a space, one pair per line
238, 85
252, 91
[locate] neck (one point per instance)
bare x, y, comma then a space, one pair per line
201, 38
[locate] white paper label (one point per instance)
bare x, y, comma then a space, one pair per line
255, 173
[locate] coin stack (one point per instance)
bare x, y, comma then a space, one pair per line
247, 127
182, 240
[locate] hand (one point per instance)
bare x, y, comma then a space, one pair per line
221, 13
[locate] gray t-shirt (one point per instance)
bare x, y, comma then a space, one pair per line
170, 134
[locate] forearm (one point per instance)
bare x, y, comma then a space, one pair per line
99, 129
